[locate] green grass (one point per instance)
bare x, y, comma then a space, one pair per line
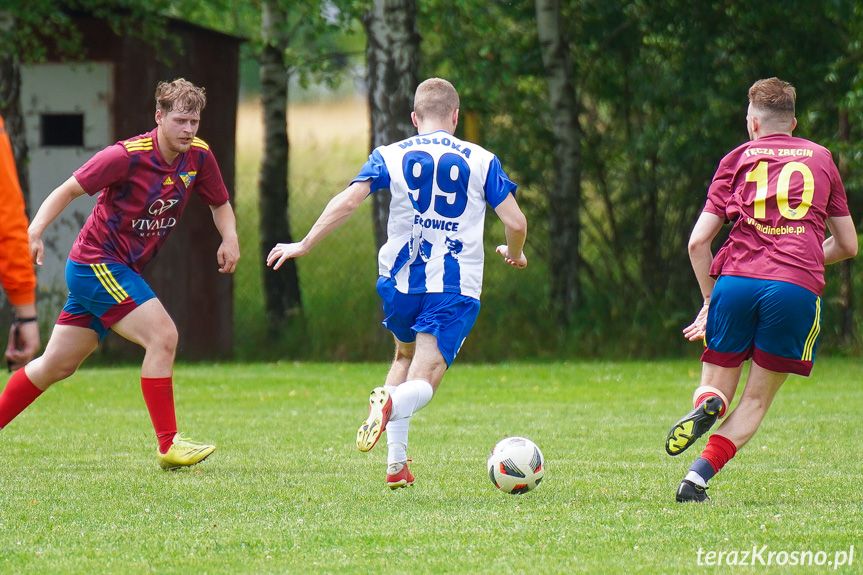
287, 491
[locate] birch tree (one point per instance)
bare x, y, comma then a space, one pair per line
392, 72
565, 190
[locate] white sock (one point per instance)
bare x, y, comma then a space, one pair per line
696, 479
410, 397
397, 440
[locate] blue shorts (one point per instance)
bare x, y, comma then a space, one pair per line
447, 316
775, 323
100, 295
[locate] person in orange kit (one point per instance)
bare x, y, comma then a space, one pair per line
17, 275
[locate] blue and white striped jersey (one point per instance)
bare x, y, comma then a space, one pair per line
439, 188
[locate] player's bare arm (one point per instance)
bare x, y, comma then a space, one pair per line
706, 228
229, 251
52, 207
842, 244
515, 228
337, 212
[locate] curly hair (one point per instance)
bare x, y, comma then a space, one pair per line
180, 95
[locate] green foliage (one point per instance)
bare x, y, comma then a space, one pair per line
662, 88
317, 39
288, 492
32, 29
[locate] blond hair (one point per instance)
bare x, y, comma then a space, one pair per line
774, 99
435, 98
180, 95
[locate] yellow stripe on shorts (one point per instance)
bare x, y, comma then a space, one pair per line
106, 278
813, 333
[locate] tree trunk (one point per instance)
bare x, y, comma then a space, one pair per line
846, 290
10, 109
281, 287
392, 59
565, 194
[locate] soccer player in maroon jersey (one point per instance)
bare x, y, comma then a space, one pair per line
143, 185
762, 288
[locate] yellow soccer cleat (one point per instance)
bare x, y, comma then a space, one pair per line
183, 453
693, 425
380, 408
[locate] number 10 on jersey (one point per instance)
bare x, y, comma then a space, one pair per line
783, 185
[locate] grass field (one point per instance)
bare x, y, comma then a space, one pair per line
288, 492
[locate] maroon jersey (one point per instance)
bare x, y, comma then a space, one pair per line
142, 198
778, 190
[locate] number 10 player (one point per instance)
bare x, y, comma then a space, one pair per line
762, 290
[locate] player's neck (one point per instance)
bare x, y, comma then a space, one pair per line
429, 127
168, 155
774, 133
165, 151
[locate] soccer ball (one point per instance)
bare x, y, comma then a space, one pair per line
516, 465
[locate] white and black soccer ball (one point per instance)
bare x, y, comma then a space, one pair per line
516, 465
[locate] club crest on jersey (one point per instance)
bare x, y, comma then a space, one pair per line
187, 177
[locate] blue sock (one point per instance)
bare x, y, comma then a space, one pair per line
700, 472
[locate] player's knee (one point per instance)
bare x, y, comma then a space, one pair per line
168, 341
405, 351
164, 341
60, 370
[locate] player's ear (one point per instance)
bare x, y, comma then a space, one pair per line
455, 117
414, 119
794, 124
753, 122
158, 116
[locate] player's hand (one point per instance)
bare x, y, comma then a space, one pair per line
23, 344
520, 262
695, 330
228, 256
282, 252
37, 250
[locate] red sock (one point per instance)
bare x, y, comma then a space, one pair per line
708, 394
19, 393
159, 397
718, 451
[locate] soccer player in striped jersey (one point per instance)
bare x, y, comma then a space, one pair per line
762, 290
143, 185
430, 268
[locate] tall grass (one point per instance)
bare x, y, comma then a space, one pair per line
329, 144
